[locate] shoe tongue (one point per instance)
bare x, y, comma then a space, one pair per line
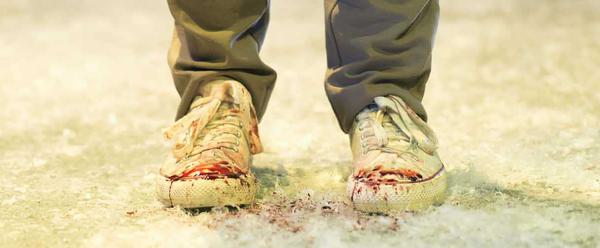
224, 90
372, 110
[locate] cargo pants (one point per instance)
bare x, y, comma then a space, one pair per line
374, 48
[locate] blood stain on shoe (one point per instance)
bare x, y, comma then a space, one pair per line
219, 170
377, 177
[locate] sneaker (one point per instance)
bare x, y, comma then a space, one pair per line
210, 161
396, 166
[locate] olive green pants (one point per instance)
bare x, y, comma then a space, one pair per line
374, 48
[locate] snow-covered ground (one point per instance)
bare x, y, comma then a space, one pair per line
85, 90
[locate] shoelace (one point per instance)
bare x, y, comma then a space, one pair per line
224, 131
412, 129
203, 124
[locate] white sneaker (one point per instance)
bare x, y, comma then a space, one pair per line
213, 144
396, 166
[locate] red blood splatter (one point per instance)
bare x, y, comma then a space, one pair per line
375, 177
405, 173
210, 171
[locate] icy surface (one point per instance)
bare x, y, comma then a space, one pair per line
85, 90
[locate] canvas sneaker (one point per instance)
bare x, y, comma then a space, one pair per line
396, 166
209, 164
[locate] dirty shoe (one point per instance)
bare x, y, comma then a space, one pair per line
396, 167
210, 161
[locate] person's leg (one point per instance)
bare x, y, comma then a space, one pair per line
216, 39
223, 86
377, 48
379, 59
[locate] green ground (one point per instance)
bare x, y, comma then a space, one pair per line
85, 90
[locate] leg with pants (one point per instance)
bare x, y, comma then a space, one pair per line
374, 48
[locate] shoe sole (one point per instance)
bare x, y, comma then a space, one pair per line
202, 193
402, 197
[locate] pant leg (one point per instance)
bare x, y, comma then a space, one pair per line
219, 39
376, 48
